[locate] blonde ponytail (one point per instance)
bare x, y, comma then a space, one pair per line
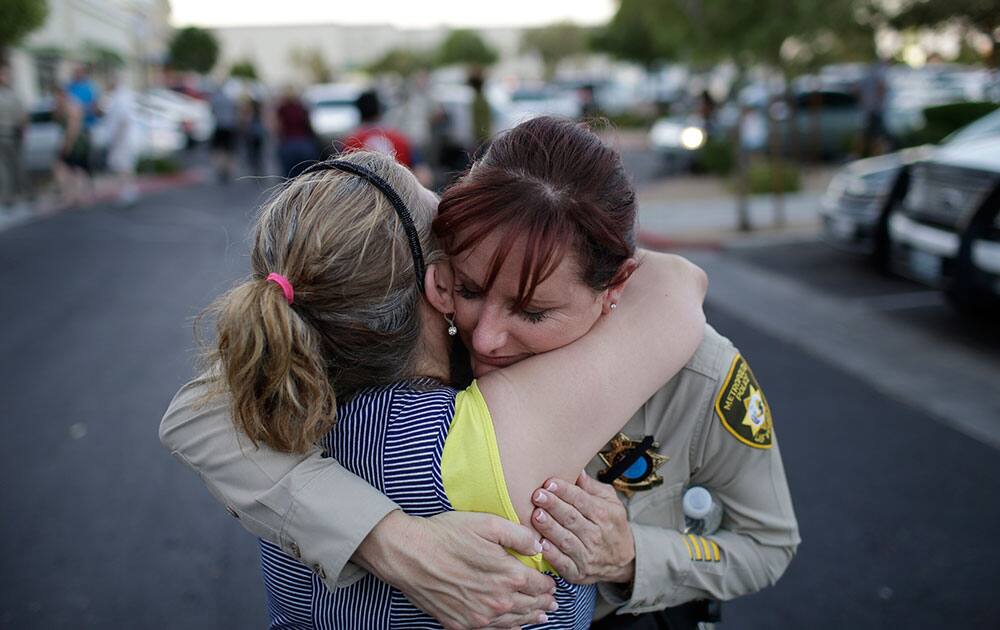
273, 368
355, 320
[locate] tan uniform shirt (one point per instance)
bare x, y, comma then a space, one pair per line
286, 499
759, 533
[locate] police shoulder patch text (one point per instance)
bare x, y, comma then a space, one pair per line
742, 408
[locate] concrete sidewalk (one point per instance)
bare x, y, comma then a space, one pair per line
702, 212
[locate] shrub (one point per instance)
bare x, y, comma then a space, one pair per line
941, 120
716, 157
158, 166
764, 176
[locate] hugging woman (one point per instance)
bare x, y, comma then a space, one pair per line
548, 299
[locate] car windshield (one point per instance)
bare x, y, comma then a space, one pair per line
985, 127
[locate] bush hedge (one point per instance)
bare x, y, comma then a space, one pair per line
764, 175
941, 120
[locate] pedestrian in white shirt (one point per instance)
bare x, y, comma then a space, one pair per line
123, 153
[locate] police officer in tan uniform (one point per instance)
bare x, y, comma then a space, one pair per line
708, 426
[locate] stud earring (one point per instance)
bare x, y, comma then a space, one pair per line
613, 306
452, 330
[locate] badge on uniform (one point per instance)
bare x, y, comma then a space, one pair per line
631, 464
742, 408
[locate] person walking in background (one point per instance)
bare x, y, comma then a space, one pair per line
224, 139
72, 166
372, 135
252, 131
874, 89
13, 121
297, 144
482, 118
122, 144
83, 89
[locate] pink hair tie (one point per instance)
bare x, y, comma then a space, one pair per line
286, 286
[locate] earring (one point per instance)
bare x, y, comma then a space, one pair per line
452, 330
613, 306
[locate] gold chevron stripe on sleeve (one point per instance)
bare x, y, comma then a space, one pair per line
697, 547
705, 543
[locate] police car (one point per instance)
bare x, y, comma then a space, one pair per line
946, 232
862, 197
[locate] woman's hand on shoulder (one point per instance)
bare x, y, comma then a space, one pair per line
586, 530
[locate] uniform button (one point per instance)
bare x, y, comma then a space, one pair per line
295, 550
232, 512
318, 570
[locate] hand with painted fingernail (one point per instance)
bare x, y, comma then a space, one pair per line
587, 537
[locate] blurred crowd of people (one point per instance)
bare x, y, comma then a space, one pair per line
77, 106
254, 134
417, 131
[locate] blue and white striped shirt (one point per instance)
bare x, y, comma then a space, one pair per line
393, 437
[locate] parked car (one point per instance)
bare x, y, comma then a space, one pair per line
333, 111
813, 123
946, 233
528, 102
192, 115
42, 139
860, 198
678, 139
157, 136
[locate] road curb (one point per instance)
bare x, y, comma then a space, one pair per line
147, 185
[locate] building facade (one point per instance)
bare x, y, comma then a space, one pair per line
128, 35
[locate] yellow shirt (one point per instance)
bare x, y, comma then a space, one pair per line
471, 469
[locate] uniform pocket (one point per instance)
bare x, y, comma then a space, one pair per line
660, 506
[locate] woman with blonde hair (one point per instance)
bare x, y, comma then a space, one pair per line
343, 336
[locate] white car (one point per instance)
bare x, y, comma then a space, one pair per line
526, 103
157, 135
947, 231
194, 116
333, 111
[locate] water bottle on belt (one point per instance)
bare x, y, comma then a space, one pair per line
702, 511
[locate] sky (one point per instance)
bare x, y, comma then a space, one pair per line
400, 13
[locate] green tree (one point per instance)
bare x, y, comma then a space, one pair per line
18, 18
555, 42
311, 61
193, 49
786, 35
105, 60
972, 16
465, 46
645, 32
244, 69
401, 61
709, 31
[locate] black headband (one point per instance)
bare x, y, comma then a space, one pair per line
404, 214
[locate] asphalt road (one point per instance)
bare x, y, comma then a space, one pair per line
102, 528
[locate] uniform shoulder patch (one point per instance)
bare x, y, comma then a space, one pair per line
742, 408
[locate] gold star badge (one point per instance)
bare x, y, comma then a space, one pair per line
631, 465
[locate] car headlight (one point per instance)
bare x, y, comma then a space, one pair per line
857, 186
692, 138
